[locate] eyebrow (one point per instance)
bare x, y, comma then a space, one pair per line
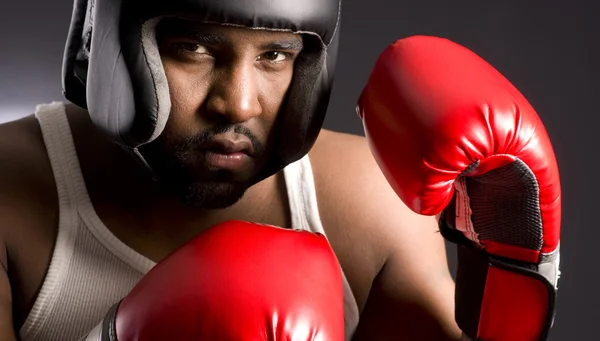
218, 39
206, 38
290, 45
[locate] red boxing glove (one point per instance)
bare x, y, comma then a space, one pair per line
237, 281
453, 136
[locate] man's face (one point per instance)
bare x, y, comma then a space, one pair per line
227, 85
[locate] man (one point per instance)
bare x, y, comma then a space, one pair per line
83, 218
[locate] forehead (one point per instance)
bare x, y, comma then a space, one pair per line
193, 28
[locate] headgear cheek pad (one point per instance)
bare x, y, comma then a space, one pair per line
113, 69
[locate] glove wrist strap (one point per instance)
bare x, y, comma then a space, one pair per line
498, 300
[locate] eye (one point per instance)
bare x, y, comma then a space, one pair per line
275, 56
192, 48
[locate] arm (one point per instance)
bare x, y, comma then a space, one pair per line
7, 331
412, 297
26, 184
6, 320
412, 294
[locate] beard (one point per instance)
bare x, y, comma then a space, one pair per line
180, 170
209, 195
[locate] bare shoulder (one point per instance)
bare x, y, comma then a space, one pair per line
358, 208
26, 179
25, 163
354, 193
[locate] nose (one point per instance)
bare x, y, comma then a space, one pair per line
234, 94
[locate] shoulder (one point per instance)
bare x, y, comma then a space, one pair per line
352, 188
353, 191
25, 164
359, 210
23, 155
27, 188
342, 163
344, 169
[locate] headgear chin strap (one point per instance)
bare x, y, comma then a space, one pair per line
113, 69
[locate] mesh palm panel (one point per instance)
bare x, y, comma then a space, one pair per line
505, 206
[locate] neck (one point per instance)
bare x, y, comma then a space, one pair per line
122, 191
134, 191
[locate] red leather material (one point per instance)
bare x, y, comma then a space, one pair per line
239, 281
432, 108
441, 122
511, 251
504, 316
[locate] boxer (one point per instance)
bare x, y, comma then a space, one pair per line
188, 114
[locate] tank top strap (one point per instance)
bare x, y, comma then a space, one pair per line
304, 211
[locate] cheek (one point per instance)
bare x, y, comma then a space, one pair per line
273, 89
187, 90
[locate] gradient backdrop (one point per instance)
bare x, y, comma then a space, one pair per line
548, 49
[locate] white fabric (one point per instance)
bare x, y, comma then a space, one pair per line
464, 213
95, 334
91, 269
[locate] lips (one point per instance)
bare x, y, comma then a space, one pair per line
228, 154
224, 146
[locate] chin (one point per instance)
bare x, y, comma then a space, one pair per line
195, 185
212, 195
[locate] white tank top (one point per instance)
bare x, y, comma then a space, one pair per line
91, 269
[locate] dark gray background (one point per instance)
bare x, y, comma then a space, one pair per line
548, 49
